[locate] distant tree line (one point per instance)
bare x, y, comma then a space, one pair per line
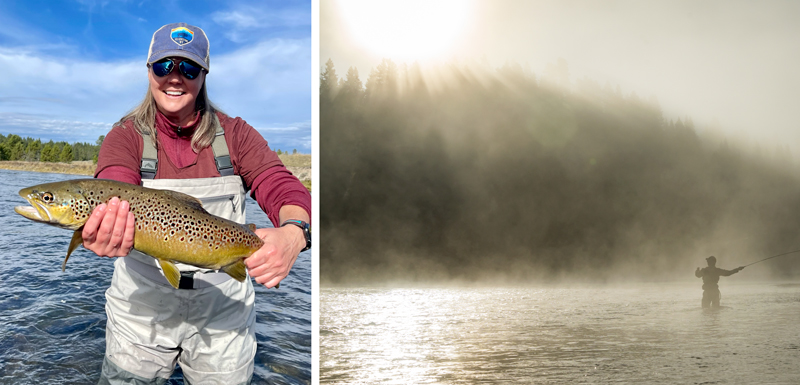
482, 172
14, 147
280, 152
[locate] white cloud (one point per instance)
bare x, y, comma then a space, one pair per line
244, 16
71, 89
240, 22
33, 122
268, 84
31, 70
236, 19
288, 137
26, 125
292, 127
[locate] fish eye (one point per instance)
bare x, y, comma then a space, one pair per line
47, 197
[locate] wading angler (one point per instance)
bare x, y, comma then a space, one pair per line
165, 309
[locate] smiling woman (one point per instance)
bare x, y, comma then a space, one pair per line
408, 30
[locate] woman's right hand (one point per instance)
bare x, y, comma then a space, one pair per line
109, 230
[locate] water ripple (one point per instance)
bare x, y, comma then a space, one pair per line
654, 334
52, 323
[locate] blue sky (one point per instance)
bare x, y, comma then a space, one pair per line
70, 69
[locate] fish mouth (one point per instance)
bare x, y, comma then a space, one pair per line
36, 212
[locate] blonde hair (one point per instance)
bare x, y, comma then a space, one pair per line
144, 119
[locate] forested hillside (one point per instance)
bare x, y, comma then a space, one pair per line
499, 173
14, 147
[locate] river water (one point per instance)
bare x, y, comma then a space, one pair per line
637, 334
52, 324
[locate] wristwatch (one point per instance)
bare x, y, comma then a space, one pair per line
306, 230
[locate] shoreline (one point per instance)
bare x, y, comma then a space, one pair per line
80, 167
298, 164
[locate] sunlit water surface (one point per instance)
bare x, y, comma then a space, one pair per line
648, 334
52, 324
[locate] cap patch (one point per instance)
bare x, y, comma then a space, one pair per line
181, 35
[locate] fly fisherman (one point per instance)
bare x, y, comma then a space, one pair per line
710, 277
176, 139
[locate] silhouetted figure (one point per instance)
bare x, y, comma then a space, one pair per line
711, 276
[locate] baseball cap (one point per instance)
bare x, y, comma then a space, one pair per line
711, 258
181, 40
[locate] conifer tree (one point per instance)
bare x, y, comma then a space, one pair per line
329, 82
66, 154
352, 88
33, 149
48, 152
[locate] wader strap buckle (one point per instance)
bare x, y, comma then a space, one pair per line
187, 280
149, 158
219, 146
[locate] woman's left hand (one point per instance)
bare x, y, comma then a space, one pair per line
272, 262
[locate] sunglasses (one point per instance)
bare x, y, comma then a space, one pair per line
164, 67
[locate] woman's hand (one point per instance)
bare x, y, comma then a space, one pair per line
109, 230
272, 262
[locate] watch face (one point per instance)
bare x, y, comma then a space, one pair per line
307, 232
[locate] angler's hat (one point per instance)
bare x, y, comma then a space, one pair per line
711, 258
181, 40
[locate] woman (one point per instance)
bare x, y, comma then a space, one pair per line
177, 140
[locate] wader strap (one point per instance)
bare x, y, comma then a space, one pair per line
220, 147
149, 158
222, 157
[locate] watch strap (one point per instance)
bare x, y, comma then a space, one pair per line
303, 226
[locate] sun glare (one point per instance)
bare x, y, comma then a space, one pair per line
406, 30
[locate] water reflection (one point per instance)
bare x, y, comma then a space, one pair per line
647, 333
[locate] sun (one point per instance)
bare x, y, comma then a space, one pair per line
407, 30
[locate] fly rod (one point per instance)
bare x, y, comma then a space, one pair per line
774, 256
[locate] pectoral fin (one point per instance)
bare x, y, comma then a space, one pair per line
252, 227
236, 270
77, 239
170, 272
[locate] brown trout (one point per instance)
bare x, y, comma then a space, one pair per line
170, 226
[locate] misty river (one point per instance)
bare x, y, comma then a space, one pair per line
52, 324
653, 333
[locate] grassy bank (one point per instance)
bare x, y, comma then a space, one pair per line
298, 164
85, 167
296, 160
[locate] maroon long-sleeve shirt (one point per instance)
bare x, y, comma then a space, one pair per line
271, 184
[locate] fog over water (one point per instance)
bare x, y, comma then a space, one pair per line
537, 162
